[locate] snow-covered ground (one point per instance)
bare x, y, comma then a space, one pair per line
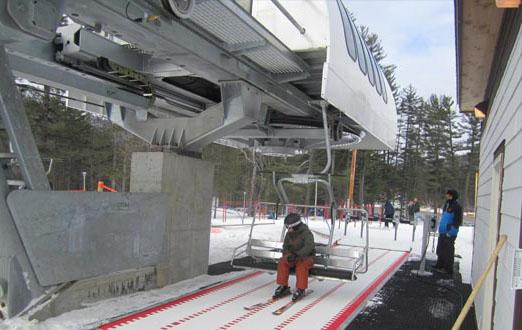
225, 236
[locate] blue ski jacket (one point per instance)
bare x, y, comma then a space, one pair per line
451, 218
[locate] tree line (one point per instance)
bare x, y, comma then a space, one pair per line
78, 142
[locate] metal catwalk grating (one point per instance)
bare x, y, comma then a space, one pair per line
225, 21
272, 60
222, 23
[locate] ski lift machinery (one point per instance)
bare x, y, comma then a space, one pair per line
180, 75
331, 262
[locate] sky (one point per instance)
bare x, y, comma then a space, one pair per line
418, 36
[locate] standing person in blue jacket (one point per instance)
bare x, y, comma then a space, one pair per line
450, 221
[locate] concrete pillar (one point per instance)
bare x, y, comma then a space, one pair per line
189, 182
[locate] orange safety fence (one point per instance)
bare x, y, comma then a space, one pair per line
102, 187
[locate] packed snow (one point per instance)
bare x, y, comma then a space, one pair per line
227, 235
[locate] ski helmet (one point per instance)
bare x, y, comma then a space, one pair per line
453, 193
292, 220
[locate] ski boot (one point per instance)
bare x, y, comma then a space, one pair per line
281, 291
298, 294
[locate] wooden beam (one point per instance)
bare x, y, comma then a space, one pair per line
508, 3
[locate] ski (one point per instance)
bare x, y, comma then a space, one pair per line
265, 303
289, 304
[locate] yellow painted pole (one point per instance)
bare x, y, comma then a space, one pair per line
471, 298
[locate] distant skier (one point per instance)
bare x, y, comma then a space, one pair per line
389, 212
413, 211
450, 221
298, 252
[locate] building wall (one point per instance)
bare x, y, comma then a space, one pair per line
504, 123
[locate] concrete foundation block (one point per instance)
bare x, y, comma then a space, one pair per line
85, 292
189, 182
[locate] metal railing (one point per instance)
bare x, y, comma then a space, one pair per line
364, 224
292, 20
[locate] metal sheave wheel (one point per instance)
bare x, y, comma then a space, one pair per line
180, 8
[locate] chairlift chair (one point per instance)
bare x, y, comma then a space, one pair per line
331, 262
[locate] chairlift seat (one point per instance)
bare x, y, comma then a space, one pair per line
317, 271
330, 263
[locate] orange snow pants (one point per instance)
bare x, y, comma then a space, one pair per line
302, 267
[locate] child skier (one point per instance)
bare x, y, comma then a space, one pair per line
298, 252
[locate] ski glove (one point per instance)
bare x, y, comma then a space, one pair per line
291, 258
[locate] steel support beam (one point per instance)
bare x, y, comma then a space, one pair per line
14, 262
62, 77
240, 107
34, 61
286, 133
90, 46
17, 126
171, 39
168, 132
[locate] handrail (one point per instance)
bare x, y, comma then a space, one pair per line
328, 186
311, 206
283, 194
367, 247
471, 298
285, 12
326, 140
237, 248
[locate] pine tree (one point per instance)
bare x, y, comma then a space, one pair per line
78, 141
441, 138
410, 111
471, 127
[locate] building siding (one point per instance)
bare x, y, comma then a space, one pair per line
504, 123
